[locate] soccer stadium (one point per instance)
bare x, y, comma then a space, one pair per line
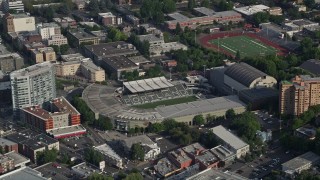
248, 44
138, 103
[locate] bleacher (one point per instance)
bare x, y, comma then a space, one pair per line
175, 91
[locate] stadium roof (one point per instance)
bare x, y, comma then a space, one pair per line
229, 138
202, 106
312, 65
301, 161
147, 84
244, 73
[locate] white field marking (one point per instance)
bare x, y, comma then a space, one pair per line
228, 48
258, 44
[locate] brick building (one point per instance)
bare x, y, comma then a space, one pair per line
8, 145
180, 158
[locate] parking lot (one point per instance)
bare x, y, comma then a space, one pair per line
267, 121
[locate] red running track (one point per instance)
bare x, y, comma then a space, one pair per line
205, 41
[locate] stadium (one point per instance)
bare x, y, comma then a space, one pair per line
248, 44
138, 103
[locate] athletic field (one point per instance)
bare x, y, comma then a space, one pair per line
247, 46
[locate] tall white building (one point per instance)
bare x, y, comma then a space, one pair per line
46, 30
33, 85
13, 5
19, 22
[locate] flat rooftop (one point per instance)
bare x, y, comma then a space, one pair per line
6, 142
23, 173
68, 130
18, 159
112, 49
108, 151
228, 137
143, 139
222, 152
303, 22
62, 173
312, 65
81, 34
32, 70
138, 59
38, 111
39, 141
149, 38
119, 62
250, 10
64, 106
86, 169
205, 11
302, 160
107, 14
180, 156
210, 174
200, 106
72, 57
193, 148
88, 64
178, 16
22, 136
164, 167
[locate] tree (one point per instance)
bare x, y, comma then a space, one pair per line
47, 156
64, 48
178, 29
199, 120
247, 125
238, 57
137, 152
96, 176
104, 123
134, 176
230, 114
205, 3
260, 17
310, 3
191, 4
225, 5
169, 6
93, 156
93, 6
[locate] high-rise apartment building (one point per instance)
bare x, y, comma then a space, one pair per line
297, 95
32, 86
13, 6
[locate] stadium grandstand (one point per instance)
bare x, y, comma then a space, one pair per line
152, 90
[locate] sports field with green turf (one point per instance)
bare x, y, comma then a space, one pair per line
247, 46
166, 102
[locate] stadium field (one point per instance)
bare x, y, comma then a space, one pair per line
247, 46
166, 102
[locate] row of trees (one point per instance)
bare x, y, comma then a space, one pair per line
143, 47
46, 156
92, 156
150, 73
155, 9
115, 34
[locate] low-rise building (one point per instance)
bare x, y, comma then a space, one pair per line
300, 163
265, 136
180, 158
57, 40
80, 37
212, 173
6, 164
76, 64
231, 141
276, 11
7, 145
224, 154
132, 19
10, 62
116, 65
205, 158
40, 55
66, 22
84, 170
30, 143
111, 157
306, 132
109, 19
165, 168
24, 173
19, 161
47, 30
151, 148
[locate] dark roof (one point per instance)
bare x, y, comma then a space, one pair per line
258, 94
244, 73
119, 62
312, 65
112, 49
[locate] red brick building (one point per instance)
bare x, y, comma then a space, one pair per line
8, 146
180, 158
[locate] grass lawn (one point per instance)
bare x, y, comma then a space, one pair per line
166, 102
247, 46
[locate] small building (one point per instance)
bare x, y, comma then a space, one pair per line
6, 164
111, 157
306, 132
24, 173
224, 154
66, 22
80, 37
19, 161
275, 11
132, 19
165, 168
205, 158
84, 170
57, 40
300, 163
8, 146
265, 136
151, 148
231, 141
251, 10
180, 158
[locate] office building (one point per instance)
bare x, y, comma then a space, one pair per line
297, 95
18, 23
46, 30
40, 55
300, 163
33, 85
111, 157
231, 141
15, 6
10, 62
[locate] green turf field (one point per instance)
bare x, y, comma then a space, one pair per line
247, 46
166, 102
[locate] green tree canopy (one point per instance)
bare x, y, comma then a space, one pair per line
137, 152
199, 120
